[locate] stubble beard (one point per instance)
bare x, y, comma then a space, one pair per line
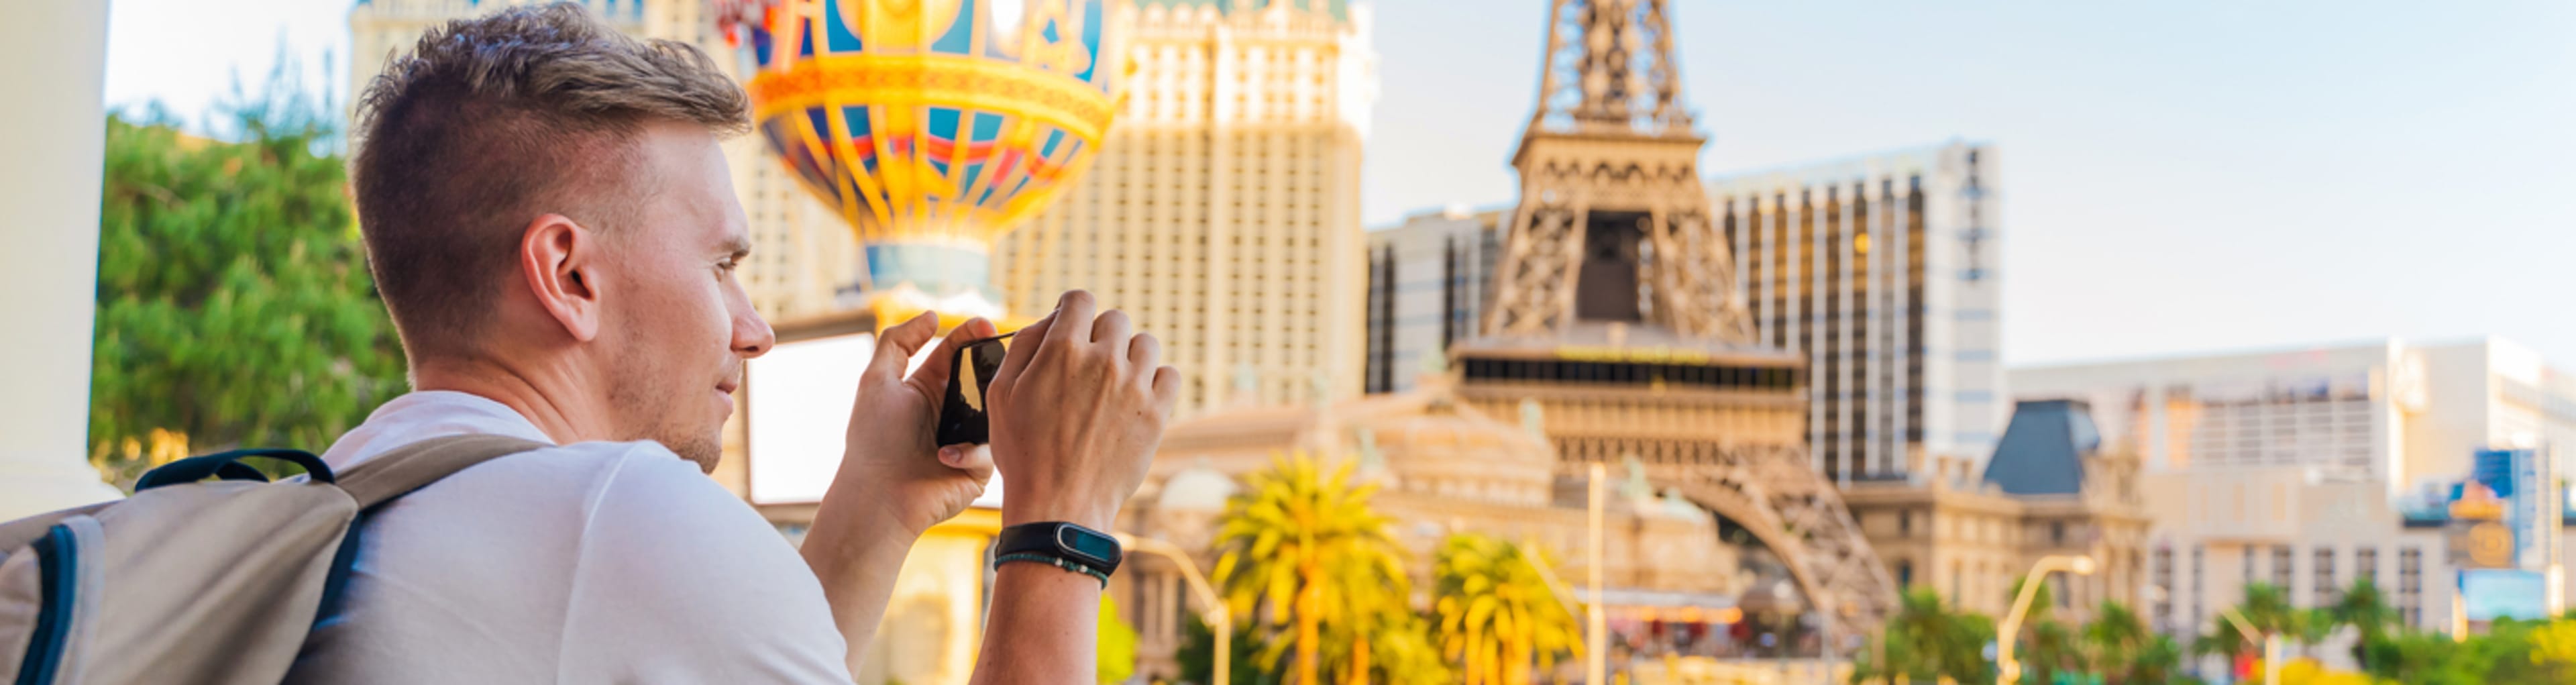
662, 416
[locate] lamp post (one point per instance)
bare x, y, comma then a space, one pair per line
1596, 663
2008, 671
2271, 644
1217, 616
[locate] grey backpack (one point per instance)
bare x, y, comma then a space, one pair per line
200, 582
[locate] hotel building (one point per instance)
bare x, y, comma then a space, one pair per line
2387, 411
2309, 469
1223, 212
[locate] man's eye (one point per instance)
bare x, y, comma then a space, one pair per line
728, 264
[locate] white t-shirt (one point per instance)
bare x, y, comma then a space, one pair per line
588, 563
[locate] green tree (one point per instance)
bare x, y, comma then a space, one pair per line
2367, 611
234, 303
1499, 617
1197, 656
2046, 646
1302, 552
2266, 607
2125, 650
1928, 640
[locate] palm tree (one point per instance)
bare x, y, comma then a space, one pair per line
2116, 636
2266, 607
1928, 640
2048, 646
1304, 550
2369, 614
1498, 614
2126, 651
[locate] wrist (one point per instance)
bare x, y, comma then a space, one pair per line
1041, 508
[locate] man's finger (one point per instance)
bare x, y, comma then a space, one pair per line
975, 460
1167, 389
1112, 328
932, 378
1144, 352
1075, 310
896, 346
1023, 345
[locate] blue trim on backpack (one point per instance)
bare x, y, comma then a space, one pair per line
58, 574
343, 561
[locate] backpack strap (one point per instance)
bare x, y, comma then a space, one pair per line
411, 467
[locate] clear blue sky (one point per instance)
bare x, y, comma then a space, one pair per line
2177, 175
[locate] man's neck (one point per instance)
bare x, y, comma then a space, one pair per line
539, 394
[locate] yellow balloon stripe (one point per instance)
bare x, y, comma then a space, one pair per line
944, 80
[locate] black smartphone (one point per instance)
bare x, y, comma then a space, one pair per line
970, 375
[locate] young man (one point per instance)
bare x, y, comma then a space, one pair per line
553, 228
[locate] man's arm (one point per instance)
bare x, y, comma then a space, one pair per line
1077, 410
1044, 627
893, 483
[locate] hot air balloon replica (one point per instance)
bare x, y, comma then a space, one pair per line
932, 126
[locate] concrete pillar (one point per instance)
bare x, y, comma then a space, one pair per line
52, 141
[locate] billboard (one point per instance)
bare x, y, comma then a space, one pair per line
2490, 594
796, 416
797, 410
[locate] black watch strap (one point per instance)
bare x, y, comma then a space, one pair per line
1061, 540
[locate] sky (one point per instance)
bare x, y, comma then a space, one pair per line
2176, 176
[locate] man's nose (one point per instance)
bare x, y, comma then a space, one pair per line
751, 334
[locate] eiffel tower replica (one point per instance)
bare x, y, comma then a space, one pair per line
1617, 327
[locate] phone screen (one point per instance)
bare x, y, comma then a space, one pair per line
961, 415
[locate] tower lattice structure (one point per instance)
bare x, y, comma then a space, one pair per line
1617, 324
1610, 193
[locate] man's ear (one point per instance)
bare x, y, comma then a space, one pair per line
560, 261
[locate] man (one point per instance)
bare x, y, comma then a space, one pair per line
553, 229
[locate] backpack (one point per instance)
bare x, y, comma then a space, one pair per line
200, 582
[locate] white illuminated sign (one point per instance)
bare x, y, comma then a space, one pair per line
798, 401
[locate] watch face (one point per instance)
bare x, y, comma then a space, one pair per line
1101, 548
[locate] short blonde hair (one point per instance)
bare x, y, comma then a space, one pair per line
490, 122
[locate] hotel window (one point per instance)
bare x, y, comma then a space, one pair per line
2197, 578
1904, 574
2325, 588
2281, 567
2365, 564
2410, 585
2163, 579
1904, 524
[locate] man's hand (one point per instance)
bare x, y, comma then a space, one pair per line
1077, 409
892, 424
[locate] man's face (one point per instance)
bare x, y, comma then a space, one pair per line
677, 326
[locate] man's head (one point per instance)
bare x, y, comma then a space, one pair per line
543, 199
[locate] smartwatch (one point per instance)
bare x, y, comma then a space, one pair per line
1061, 541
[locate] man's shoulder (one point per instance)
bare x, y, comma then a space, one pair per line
583, 477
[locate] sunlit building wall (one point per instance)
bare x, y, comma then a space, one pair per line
1429, 280
1223, 212
2394, 413
1885, 271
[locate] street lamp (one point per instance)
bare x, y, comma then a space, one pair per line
2271, 644
1216, 616
2008, 670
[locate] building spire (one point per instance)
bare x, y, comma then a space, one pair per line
1610, 68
